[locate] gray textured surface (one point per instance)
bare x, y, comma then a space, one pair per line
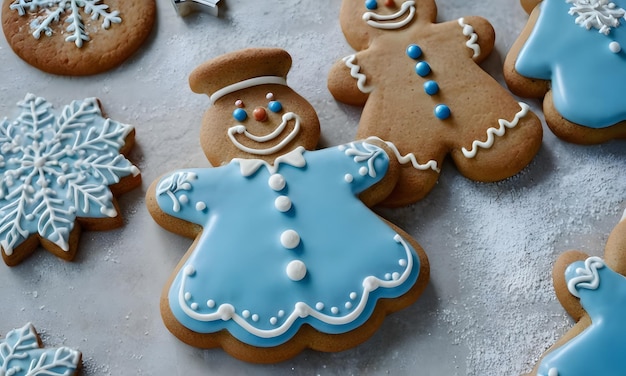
489, 309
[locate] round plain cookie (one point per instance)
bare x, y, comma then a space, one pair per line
77, 38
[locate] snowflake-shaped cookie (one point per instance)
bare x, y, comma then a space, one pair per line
21, 354
53, 10
53, 170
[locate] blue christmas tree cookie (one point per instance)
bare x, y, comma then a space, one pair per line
60, 174
571, 54
593, 292
287, 255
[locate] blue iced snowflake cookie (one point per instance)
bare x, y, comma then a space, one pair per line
21, 354
58, 174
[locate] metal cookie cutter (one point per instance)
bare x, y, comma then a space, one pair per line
184, 7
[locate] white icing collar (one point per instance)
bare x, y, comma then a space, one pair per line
294, 158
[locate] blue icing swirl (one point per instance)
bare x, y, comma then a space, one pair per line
586, 75
262, 268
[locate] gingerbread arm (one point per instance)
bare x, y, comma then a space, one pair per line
347, 83
518, 84
480, 36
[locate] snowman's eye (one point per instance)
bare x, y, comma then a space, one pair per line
275, 106
240, 114
371, 4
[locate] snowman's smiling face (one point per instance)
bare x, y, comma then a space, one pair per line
386, 15
267, 130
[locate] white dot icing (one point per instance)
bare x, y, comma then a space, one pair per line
194, 306
319, 306
363, 171
334, 310
348, 305
200, 206
282, 204
353, 295
190, 270
290, 239
349, 178
277, 182
255, 317
183, 199
402, 263
296, 270
273, 320
245, 314
615, 47
187, 296
210, 303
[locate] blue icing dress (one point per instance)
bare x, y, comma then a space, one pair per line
587, 77
285, 244
600, 348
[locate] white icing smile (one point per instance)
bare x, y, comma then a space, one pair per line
241, 129
392, 21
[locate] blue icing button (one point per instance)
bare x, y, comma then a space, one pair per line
371, 4
422, 69
431, 87
414, 51
240, 115
442, 111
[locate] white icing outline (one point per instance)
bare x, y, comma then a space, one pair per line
370, 154
599, 14
301, 310
410, 157
493, 132
179, 181
241, 129
468, 31
355, 72
588, 277
246, 84
372, 18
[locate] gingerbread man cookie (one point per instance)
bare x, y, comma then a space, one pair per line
77, 37
571, 54
286, 254
593, 291
422, 89
59, 175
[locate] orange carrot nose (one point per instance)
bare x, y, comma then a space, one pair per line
390, 3
259, 114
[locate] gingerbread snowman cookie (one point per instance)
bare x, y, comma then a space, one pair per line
423, 90
593, 291
571, 54
287, 255
77, 37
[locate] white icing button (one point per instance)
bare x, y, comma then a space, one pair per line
245, 314
387, 276
281, 313
210, 303
319, 306
349, 178
189, 270
290, 239
273, 320
255, 317
615, 47
296, 270
334, 310
277, 182
395, 276
402, 263
348, 305
183, 199
353, 295
282, 204
194, 306
200, 206
187, 296
363, 171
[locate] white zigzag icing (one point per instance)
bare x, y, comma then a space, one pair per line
410, 157
355, 73
493, 132
468, 31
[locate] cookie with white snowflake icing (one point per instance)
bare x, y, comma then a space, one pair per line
22, 354
593, 291
287, 254
76, 37
60, 174
572, 54
421, 88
